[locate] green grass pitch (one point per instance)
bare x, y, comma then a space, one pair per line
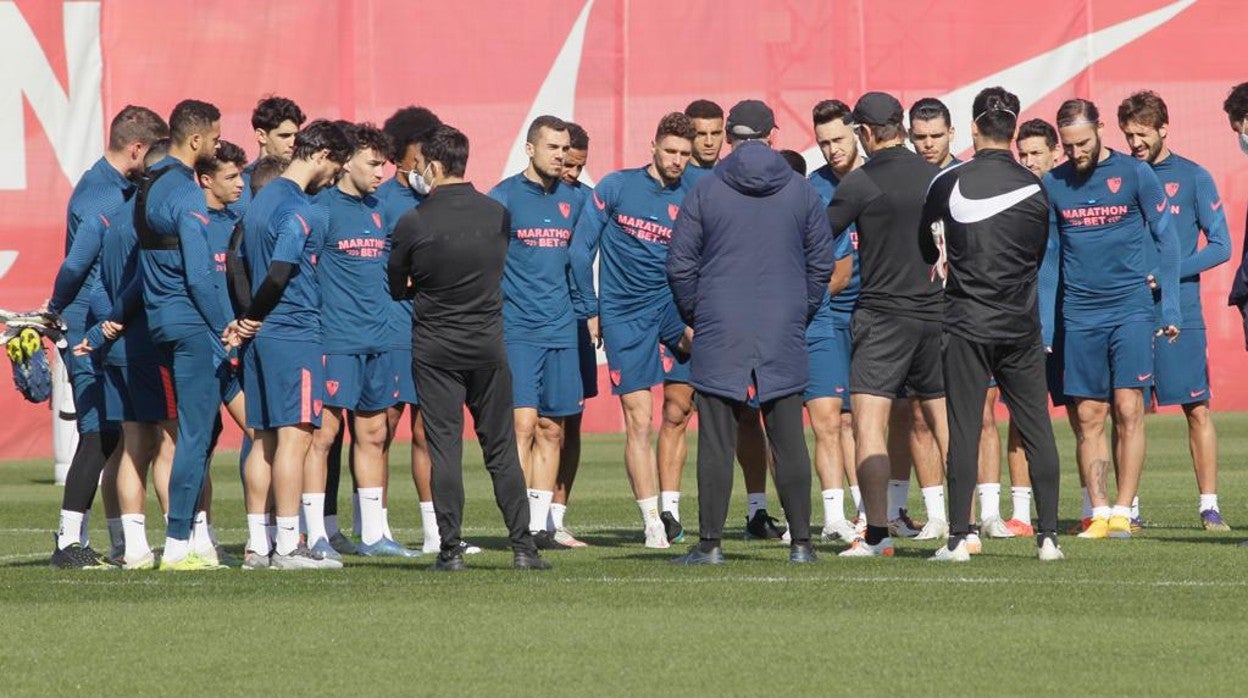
1163, 614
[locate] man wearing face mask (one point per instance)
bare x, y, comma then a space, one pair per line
283, 369
449, 256
400, 194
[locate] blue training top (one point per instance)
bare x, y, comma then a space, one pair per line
355, 294
281, 225
537, 297
1104, 222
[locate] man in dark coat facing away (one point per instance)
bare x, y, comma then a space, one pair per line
750, 257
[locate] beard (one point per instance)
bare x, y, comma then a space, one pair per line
1093, 159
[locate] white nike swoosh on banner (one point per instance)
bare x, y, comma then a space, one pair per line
1034, 78
557, 95
964, 210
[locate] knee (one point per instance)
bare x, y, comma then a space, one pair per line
550, 430
676, 414
637, 424
1199, 417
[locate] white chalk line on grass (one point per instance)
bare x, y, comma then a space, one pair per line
89, 578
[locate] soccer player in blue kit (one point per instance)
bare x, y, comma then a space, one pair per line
220, 175
587, 357
137, 392
184, 312
629, 222
827, 336
538, 318
283, 370
100, 192
1181, 368
360, 378
1109, 209
406, 128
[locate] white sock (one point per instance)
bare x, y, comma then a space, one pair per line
176, 549
898, 493
1121, 511
1100, 512
755, 501
200, 542
257, 534
385, 523
1087, 503
1135, 507
71, 528
372, 516
833, 506
934, 501
649, 511
287, 534
989, 500
555, 520
212, 535
671, 502
134, 530
270, 527
84, 531
314, 516
856, 492
355, 513
331, 525
1208, 501
539, 507
116, 537
429, 521
1021, 497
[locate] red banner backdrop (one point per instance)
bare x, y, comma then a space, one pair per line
615, 66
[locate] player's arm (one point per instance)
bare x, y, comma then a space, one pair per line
848, 202
1152, 201
197, 262
399, 268
286, 255
1046, 282
1212, 221
77, 264
684, 256
586, 238
843, 269
818, 247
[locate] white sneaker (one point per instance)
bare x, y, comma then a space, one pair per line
934, 529
656, 536
563, 535
838, 530
958, 554
1049, 552
974, 545
994, 527
860, 548
903, 526
303, 559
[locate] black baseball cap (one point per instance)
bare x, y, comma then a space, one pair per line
750, 119
878, 109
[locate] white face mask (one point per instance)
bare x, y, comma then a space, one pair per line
417, 181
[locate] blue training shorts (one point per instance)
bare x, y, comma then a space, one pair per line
284, 382
1100, 359
1181, 369
361, 382
546, 379
639, 354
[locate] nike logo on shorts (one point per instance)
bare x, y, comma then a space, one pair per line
1197, 393
964, 210
1144, 377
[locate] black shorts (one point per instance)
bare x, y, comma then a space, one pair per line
895, 355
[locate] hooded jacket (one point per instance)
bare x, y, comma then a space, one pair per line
749, 261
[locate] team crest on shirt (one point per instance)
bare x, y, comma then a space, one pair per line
1172, 188
377, 220
331, 387
1114, 184
565, 208
672, 211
